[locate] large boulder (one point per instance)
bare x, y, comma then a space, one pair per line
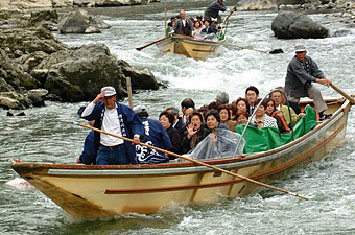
291, 25
79, 73
141, 78
245, 5
80, 22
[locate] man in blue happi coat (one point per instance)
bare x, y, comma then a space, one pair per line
113, 117
155, 135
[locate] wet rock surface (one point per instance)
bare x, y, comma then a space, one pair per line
291, 25
34, 66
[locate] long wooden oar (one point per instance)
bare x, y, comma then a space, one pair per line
194, 161
275, 51
352, 100
227, 18
152, 43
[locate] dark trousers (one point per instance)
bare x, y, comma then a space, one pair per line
112, 155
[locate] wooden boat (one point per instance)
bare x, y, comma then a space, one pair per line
94, 191
195, 48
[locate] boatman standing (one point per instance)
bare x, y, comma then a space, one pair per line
112, 117
213, 10
302, 71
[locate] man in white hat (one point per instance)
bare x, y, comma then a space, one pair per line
302, 71
113, 117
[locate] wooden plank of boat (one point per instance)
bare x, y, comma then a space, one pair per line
195, 48
94, 191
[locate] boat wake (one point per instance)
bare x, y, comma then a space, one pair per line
20, 184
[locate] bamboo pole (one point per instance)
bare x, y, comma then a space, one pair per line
352, 100
165, 20
129, 92
195, 161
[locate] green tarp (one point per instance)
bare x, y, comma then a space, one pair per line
262, 139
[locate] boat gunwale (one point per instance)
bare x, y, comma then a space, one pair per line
223, 162
191, 40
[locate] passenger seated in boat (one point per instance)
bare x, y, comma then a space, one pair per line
185, 104
166, 120
155, 134
170, 26
242, 118
195, 133
197, 30
199, 19
113, 117
183, 26
242, 106
272, 112
293, 104
224, 115
220, 143
178, 123
251, 95
220, 33
209, 28
260, 118
284, 109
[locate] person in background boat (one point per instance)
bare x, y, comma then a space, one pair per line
260, 118
183, 26
178, 123
252, 95
155, 134
197, 30
212, 11
170, 26
113, 117
195, 133
272, 112
199, 19
166, 120
185, 104
302, 71
224, 115
220, 33
209, 29
285, 110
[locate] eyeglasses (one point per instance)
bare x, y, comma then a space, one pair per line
270, 105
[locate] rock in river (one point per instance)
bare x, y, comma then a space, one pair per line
290, 25
80, 22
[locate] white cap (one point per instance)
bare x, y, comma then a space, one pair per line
108, 91
300, 48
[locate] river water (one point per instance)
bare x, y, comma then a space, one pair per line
45, 134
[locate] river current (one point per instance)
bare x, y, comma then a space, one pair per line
46, 135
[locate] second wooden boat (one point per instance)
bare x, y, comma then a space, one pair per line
195, 48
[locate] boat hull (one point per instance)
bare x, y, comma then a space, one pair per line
197, 49
95, 191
